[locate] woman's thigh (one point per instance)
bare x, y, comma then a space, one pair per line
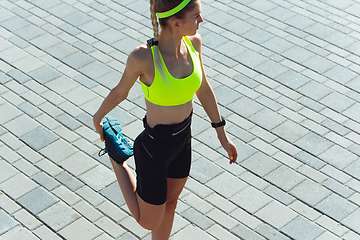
174, 188
151, 215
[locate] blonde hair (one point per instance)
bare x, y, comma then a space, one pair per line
154, 20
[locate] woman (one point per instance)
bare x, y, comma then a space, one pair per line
170, 71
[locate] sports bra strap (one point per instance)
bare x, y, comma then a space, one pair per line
151, 42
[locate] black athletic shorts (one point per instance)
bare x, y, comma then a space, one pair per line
161, 152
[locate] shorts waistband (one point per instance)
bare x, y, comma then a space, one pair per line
164, 131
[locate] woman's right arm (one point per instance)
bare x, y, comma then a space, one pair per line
120, 92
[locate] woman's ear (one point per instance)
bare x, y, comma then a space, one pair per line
175, 23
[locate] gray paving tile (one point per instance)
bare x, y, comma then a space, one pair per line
126, 45
267, 119
340, 74
336, 207
245, 233
58, 216
310, 192
352, 221
276, 214
95, 70
39, 138
9, 112
319, 64
269, 103
62, 50
251, 199
251, 59
279, 195
30, 109
61, 10
44, 41
337, 101
109, 80
271, 69
46, 181
270, 233
37, 200
313, 144
245, 107
261, 5
5, 14
311, 104
6, 222
80, 229
68, 121
285, 178
353, 169
93, 27
203, 170
257, 35
78, 163
290, 131
219, 184
77, 18
220, 18
341, 39
310, 160
297, 54
19, 76
197, 218
337, 187
295, 229
260, 164
191, 232
44, 74
14, 23
4, 78
22, 125
113, 193
69, 181
338, 157
19, 42
77, 60
46, 4
29, 32
98, 178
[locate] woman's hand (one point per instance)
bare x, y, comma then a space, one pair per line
229, 147
98, 127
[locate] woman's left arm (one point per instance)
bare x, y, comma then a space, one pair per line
207, 98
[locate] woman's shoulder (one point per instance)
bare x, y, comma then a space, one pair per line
140, 54
196, 41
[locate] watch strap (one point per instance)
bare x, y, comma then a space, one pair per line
219, 124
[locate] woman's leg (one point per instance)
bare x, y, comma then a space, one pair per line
174, 188
149, 216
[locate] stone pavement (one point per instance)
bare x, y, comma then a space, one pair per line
285, 74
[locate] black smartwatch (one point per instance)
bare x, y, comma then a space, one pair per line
219, 124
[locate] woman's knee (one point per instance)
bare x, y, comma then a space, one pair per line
150, 215
171, 205
151, 223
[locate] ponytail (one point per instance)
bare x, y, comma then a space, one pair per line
154, 20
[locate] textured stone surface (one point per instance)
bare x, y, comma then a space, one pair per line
285, 76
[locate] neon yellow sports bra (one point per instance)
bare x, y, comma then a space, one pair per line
174, 91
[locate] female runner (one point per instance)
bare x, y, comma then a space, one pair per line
170, 70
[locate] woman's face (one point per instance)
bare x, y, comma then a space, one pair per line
193, 19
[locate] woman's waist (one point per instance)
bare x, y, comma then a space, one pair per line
166, 131
167, 115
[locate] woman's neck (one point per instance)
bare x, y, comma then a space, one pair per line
170, 43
